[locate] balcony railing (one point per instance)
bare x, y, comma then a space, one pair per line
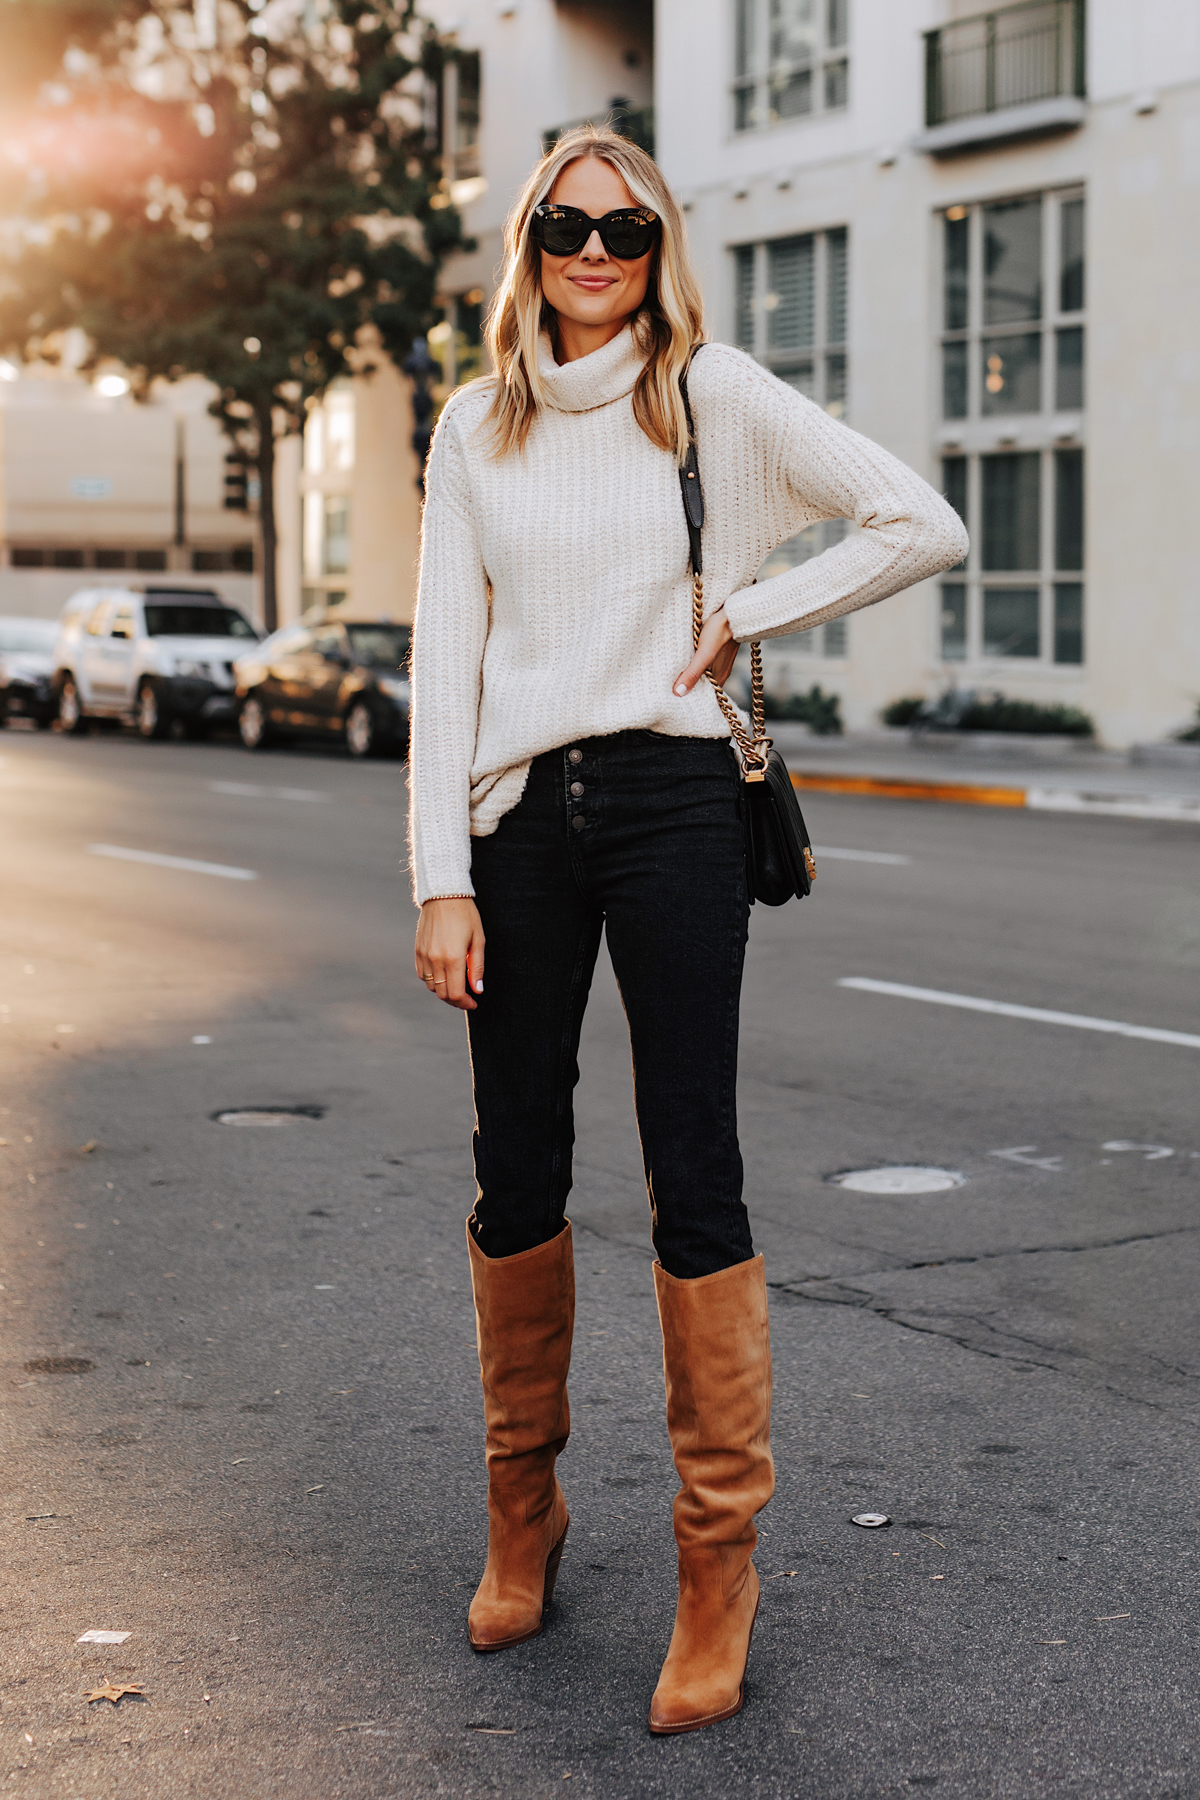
635, 123
1013, 57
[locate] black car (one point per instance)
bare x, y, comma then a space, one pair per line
335, 678
26, 662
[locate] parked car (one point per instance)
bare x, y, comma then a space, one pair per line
328, 678
157, 655
26, 664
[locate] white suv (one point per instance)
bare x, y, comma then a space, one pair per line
156, 655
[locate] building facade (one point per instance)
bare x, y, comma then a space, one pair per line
97, 489
976, 238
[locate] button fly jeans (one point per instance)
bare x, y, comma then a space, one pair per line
637, 834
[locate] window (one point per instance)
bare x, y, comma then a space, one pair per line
336, 546
458, 115
791, 304
790, 60
1012, 392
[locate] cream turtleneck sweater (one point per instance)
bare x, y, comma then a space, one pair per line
555, 592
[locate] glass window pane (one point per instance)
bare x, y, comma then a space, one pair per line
743, 108
835, 384
835, 637
837, 23
954, 621
954, 381
791, 96
336, 559
1010, 622
955, 248
1012, 261
743, 275
837, 90
795, 31
1068, 621
835, 253
801, 376
1012, 510
1068, 384
1070, 279
789, 300
1068, 509
744, 49
954, 486
1012, 373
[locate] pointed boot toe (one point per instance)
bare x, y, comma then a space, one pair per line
512, 1610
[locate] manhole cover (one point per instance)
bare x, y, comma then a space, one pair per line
59, 1365
267, 1115
902, 1179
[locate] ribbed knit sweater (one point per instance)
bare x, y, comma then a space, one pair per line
555, 602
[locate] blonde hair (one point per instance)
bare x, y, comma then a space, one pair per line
668, 326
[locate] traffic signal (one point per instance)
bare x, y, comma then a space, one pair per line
237, 483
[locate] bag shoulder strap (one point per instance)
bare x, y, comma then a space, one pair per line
689, 479
753, 748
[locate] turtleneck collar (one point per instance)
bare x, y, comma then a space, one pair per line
606, 375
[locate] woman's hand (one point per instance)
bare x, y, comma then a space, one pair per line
716, 650
449, 951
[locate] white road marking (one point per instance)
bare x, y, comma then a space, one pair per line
872, 856
255, 790
1039, 1015
1026, 1153
186, 863
1180, 809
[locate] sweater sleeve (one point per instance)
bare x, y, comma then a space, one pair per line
906, 531
449, 633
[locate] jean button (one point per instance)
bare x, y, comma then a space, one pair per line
575, 756
578, 822
577, 788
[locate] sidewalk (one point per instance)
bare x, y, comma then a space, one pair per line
1157, 781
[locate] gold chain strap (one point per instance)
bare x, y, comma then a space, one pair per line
753, 749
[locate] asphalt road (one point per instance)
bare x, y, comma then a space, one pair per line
271, 1478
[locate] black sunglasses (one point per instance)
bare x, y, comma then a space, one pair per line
626, 234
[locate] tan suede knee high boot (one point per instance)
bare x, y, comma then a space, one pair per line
524, 1318
717, 1359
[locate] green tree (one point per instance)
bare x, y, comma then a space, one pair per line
248, 190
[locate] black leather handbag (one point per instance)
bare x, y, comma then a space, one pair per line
779, 858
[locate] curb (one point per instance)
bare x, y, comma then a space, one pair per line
1175, 808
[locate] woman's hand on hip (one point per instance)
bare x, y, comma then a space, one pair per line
449, 951
716, 651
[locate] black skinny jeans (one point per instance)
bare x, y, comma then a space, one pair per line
640, 834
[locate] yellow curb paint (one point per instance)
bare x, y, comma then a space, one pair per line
964, 794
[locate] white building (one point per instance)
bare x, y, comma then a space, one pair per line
98, 489
976, 237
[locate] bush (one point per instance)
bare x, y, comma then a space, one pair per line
902, 712
998, 714
1192, 734
962, 709
821, 712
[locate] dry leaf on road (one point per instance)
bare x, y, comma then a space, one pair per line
111, 1692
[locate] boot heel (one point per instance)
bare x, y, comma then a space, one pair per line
552, 1562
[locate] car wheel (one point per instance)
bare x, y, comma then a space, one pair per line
152, 719
71, 715
253, 726
362, 734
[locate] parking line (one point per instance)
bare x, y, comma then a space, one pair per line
186, 863
254, 790
871, 856
1039, 1015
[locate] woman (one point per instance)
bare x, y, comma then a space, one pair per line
572, 770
